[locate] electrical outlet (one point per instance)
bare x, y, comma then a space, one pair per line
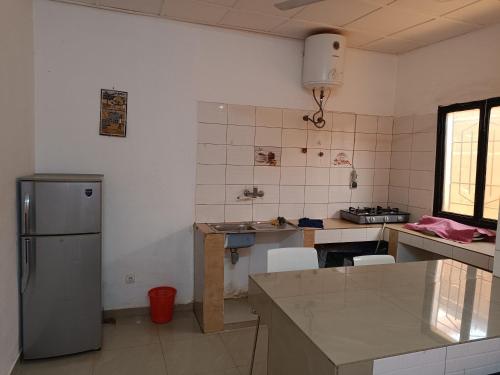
129, 278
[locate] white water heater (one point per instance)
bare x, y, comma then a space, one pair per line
323, 61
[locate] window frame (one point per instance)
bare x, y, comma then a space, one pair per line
484, 107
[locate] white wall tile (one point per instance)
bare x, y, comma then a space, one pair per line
398, 195
271, 194
401, 142
268, 137
403, 125
416, 212
270, 117
291, 211
316, 194
235, 191
384, 125
315, 211
327, 236
212, 133
400, 177
292, 194
362, 194
353, 235
400, 160
210, 174
343, 122
339, 194
382, 160
211, 154
342, 141
293, 157
212, 113
210, 194
422, 180
423, 161
425, 123
340, 176
424, 142
240, 135
237, 212
265, 212
318, 158
266, 175
319, 139
209, 213
240, 155
317, 176
293, 176
348, 154
365, 141
334, 209
364, 159
241, 115
380, 194
294, 138
381, 177
366, 124
384, 142
292, 118
365, 176
239, 175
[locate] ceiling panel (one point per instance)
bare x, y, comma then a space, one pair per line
189, 10
357, 39
297, 28
265, 6
388, 20
251, 21
143, 6
228, 3
435, 31
434, 7
390, 45
485, 12
335, 12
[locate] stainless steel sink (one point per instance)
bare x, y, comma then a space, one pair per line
254, 226
229, 227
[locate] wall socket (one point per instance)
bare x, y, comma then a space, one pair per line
130, 278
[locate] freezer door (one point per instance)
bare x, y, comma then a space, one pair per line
56, 208
61, 300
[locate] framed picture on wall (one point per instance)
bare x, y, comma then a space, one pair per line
113, 113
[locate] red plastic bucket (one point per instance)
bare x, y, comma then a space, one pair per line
161, 301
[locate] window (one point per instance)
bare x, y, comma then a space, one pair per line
467, 182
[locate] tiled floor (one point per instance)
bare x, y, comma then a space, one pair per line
135, 346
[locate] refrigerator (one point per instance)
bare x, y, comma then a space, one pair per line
60, 264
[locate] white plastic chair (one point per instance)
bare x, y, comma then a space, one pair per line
292, 259
366, 260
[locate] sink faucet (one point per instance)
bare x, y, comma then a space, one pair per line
254, 193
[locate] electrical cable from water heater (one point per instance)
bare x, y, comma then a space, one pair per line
322, 105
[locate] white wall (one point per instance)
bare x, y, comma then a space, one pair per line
16, 157
166, 67
456, 70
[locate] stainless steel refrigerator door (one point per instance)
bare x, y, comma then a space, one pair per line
55, 208
61, 301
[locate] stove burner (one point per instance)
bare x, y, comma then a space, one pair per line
373, 215
379, 210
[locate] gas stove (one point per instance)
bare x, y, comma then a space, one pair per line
375, 215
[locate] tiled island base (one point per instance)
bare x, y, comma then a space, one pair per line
434, 317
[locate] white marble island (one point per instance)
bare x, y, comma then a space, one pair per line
431, 317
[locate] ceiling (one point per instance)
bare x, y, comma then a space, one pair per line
389, 26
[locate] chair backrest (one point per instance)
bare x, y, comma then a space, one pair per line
366, 260
292, 259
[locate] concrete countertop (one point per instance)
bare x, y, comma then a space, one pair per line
359, 314
482, 247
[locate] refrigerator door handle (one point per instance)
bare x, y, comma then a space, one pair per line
26, 212
26, 264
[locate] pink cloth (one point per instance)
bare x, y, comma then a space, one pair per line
449, 229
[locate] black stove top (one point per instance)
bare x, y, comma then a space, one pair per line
375, 215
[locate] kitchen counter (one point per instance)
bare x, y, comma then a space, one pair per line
345, 320
339, 224
482, 247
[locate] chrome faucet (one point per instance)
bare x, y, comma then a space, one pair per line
255, 193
